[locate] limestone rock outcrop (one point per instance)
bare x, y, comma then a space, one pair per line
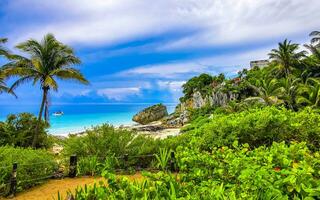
151, 114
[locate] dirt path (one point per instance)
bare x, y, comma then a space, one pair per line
49, 190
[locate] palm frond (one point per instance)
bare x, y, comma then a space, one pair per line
69, 73
4, 51
3, 40
19, 82
50, 82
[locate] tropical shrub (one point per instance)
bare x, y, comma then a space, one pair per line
34, 166
163, 158
277, 172
198, 83
204, 111
100, 141
257, 127
105, 142
88, 166
19, 130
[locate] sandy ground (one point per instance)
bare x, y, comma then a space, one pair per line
161, 134
49, 190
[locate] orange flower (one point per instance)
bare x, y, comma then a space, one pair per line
277, 169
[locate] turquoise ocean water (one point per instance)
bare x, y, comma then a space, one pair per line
78, 117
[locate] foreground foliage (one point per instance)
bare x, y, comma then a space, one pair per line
20, 130
277, 172
33, 167
260, 126
105, 146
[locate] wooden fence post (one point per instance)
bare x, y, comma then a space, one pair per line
73, 166
13, 180
172, 162
126, 158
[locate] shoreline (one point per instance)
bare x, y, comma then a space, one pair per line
153, 129
79, 130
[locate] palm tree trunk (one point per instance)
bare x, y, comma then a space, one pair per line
36, 134
46, 110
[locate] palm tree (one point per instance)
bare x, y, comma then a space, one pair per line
288, 90
312, 63
49, 61
286, 56
309, 93
314, 47
268, 91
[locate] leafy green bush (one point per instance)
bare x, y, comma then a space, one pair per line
104, 142
19, 130
163, 159
33, 166
278, 172
100, 141
201, 112
257, 127
88, 166
281, 171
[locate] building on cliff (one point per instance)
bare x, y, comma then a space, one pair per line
259, 63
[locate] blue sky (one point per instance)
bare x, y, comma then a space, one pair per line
142, 51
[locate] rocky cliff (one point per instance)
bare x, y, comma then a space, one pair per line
219, 96
215, 98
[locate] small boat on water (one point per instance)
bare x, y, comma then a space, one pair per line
58, 113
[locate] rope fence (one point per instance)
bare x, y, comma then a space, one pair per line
10, 187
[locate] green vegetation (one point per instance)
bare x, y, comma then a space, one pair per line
163, 159
261, 141
3, 50
264, 144
33, 167
106, 143
290, 80
257, 127
19, 131
277, 172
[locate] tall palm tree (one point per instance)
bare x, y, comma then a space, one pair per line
286, 56
49, 61
268, 91
309, 93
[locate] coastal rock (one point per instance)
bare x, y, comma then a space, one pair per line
177, 120
150, 128
151, 114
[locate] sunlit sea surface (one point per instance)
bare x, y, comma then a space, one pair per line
78, 117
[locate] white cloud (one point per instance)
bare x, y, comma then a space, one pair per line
228, 63
118, 94
72, 92
173, 86
214, 22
